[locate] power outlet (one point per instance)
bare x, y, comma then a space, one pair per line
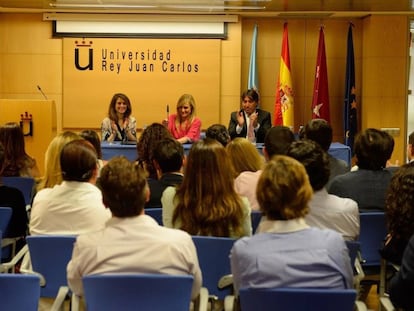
393, 131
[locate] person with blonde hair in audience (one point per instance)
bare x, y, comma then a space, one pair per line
247, 164
206, 202
287, 252
184, 125
16, 162
75, 205
119, 125
131, 242
326, 210
53, 173
149, 138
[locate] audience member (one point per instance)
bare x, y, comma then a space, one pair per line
146, 144
74, 206
287, 252
168, 158
326, 211
93, 138
320, 131
410, 149
218, 132
399, 212
16, 161
367, 185
131, 242
184, 125
53, 173
250, 122
401, 286
206, 202
248, 165
13, 198
277, 141
119, 125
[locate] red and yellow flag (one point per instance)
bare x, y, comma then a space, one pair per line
283, 114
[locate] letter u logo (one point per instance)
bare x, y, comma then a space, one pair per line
89, 66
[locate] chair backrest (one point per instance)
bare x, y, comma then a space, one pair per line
213, 256
5, 215
146, 292
24, 184
155, 213
19, 292
49, 255
372, 233
298, 299
255, 216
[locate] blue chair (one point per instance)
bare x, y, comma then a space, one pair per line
155, 213
8, 245
19, 292
372, 233
25, 184
297, 299
146, 292
213, 256
49, 255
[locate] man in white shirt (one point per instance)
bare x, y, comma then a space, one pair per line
131, 241
327, 211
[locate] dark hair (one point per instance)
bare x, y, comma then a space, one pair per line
16, 159
315, 160
1, 156
252, 94
373, 148
399, 203
93, 138
319, 131
169, 154
78, 160
111, 110
146, 144
218, 132
278, 139
411, 139
123, 186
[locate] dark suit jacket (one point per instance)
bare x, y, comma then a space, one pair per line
157, 187
263, 118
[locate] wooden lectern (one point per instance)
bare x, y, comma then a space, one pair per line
37, 115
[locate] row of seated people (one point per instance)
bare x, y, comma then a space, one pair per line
184, 125
203, 174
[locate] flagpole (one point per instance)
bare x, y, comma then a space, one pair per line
252, 82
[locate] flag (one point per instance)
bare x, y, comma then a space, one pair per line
252, 82
283, 114
320, 102
350, 111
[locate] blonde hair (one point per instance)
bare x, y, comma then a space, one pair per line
284, 190
183, 100
244, 156
53, 172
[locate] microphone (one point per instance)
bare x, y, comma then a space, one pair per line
168, 111
44, 95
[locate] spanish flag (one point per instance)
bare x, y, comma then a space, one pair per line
283, 114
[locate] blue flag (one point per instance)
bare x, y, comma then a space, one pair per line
252, 82
350, 111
